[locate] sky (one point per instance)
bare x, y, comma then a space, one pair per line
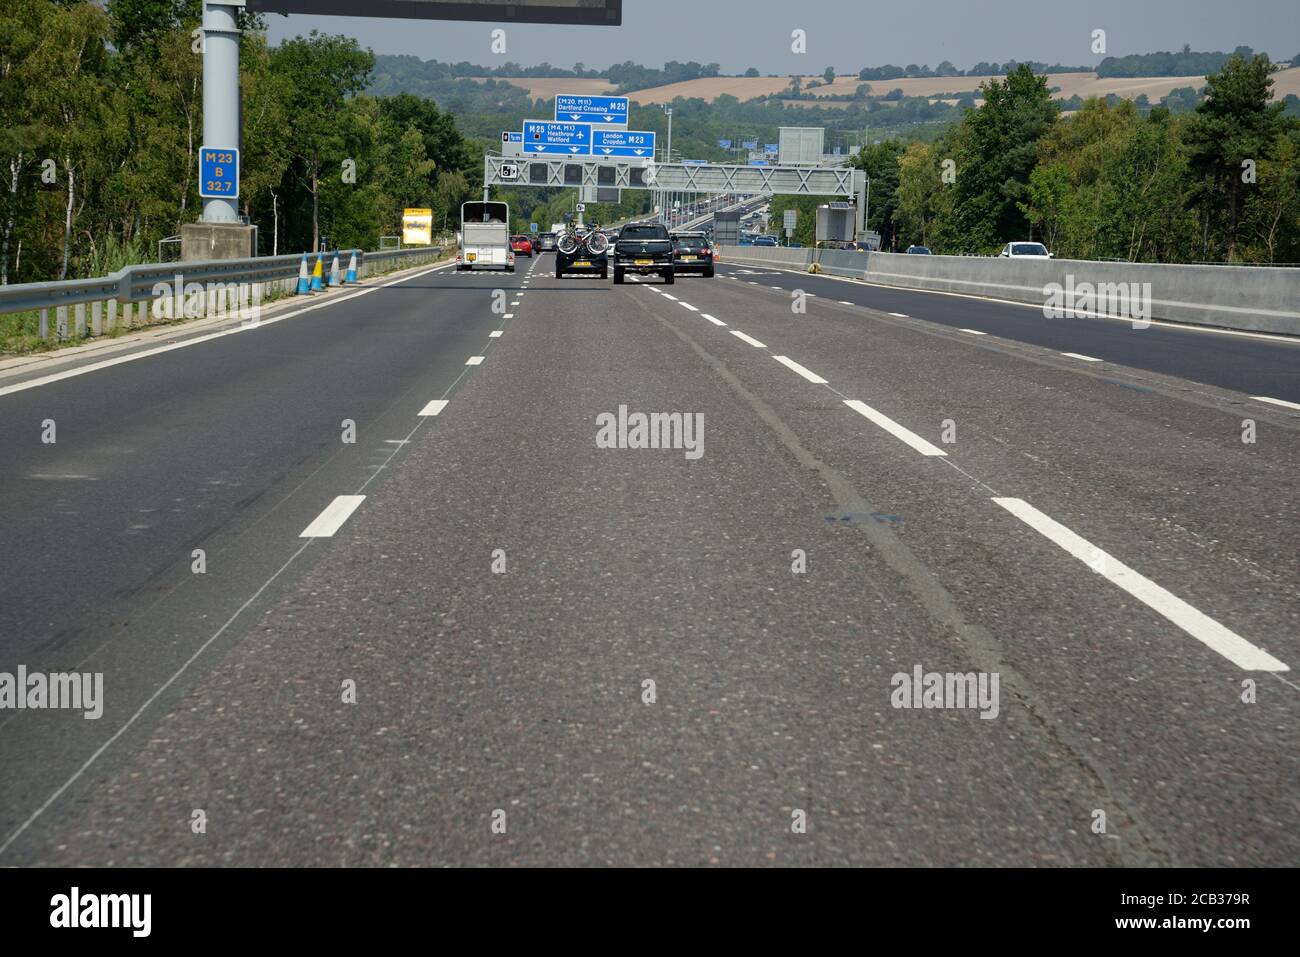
844, 34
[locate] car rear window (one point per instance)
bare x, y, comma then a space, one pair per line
1029, 249
690, 242
644, 232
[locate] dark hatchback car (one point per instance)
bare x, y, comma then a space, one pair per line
545, 242
692, 252
582, 253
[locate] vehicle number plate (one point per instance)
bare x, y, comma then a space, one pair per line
582, 262
645, 262
685, 258
470, 256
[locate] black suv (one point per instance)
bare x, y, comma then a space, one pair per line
692, 253
644, 248
582, 252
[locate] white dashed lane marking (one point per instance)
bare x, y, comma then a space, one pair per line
434, 407
1075, 355
474, 361
796, 367
894, 429
1197, 624
1282, 402
331, 520
751, 340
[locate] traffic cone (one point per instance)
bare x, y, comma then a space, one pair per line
316, 275
334, 271
352, 269
304, 284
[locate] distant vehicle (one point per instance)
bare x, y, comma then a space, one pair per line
919, 251
1024, 251
484, 239
546, 242
644, 248
765, 241
582, 251
746, 240
522, 246
793, 245
692, 253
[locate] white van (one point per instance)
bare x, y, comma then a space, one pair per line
484, 240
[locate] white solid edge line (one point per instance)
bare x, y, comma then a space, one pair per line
1200, 626
900, 315
669, 296
845, 302
975, 332
332, 518
716, 322
808, 374
494, 334
894, 429
106, 363
1075, 355
751, 340
434, 407
1184, 326
1281, 402
474, 361
687, 305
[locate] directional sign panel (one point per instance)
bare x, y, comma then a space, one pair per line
219, 172
622, 143
772, 148
573, 108
749, 144
724, 144
570, 139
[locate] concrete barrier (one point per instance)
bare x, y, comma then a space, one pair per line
1254, 298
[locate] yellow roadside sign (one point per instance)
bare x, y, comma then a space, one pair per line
417, 227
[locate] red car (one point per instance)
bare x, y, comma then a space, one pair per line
521, 245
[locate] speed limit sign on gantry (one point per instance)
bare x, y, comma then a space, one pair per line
509, 171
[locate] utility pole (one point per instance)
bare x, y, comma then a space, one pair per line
219, 233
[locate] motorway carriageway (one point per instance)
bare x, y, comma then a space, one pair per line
1068, 504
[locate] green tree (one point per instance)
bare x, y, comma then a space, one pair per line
999, 149
323, 72
1235, 125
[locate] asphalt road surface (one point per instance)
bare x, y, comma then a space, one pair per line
521, 647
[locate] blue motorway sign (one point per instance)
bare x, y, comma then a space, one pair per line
772, 148
532, 227
695, 162
758, 162
572, 108
571, 139
219, 172
622, 143
749, 145
510, 136
724, 144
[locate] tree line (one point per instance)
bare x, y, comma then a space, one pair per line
1218, 184
101, 123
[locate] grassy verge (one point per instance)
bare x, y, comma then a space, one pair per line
20, 331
